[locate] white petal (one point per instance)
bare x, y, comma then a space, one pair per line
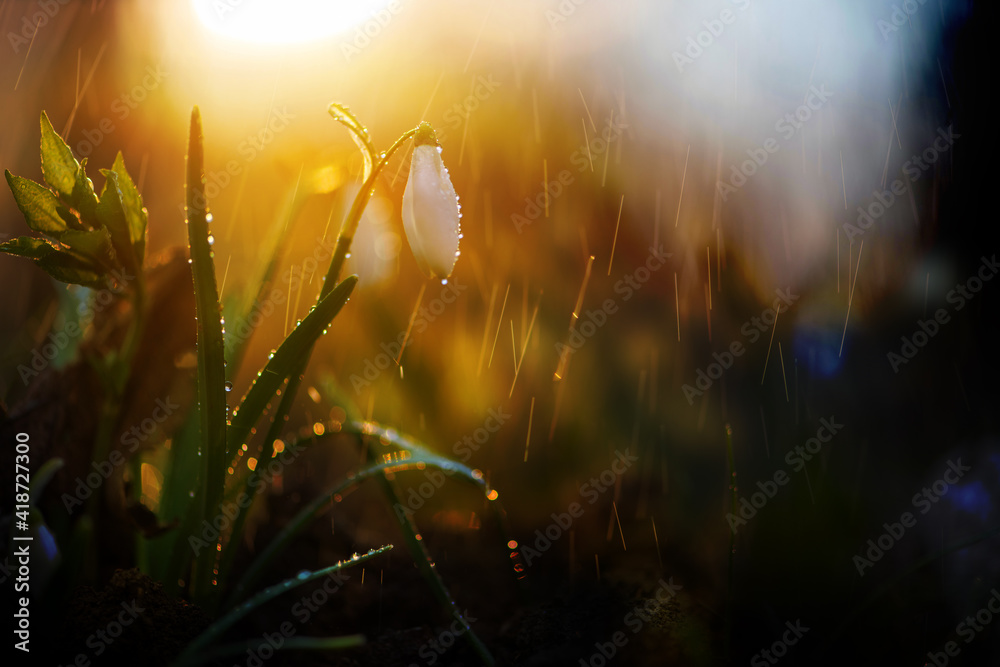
430, 213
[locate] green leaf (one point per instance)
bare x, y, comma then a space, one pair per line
284, 364
417, 457
111, 214
94, 244
289, 355
217, 629
211, 359
254, 646
38, 205
59, 167
69, 268
84, 199
135, 214
69, 217
43, 476
27, 246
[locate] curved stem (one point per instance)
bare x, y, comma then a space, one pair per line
345, 117
350, 226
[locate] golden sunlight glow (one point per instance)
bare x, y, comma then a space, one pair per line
287, 21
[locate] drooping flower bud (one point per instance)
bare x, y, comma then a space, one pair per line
430, 208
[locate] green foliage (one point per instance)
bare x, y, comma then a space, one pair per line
86, 240
211, 362
96, 240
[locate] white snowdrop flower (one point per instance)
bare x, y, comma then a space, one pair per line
430, 208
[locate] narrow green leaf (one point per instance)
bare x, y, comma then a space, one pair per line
211, 359
69, 217
59, 168
285, 360
178, 501
416, 456
289, 644
94, 244
135, 214
27, 246
216, 630
42, 477
111, 214
38, 205
84, 199
68, 268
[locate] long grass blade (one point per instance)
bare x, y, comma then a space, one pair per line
211, 358
289, 644
215, 631
414, 456
286, 359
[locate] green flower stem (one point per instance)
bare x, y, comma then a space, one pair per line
114, 377
350, 227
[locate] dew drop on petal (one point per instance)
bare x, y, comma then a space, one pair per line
229, 385
211, 240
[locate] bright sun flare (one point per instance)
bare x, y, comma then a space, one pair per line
284, 21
